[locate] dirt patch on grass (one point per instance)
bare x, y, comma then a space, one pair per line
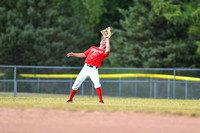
59, 121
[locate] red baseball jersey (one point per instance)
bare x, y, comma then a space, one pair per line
95, 56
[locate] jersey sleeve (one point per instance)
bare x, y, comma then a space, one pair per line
87, 51
106, 55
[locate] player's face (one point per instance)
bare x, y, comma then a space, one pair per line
103, 42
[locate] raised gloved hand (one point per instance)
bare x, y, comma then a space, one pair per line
106, 33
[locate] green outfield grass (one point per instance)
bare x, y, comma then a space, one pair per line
50, 101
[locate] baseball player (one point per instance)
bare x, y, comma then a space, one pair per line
94, 57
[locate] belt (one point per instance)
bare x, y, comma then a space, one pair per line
91, 66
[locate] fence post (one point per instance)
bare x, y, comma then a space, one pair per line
155, 85
151, 87
136, 87
174, 85
168, 88
120, 87
70, 86
82, 90
186, 89
92, 90
38, 85
15, 82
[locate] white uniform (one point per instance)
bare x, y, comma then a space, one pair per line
87, 71
94, 58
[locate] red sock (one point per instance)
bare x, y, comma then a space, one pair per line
73, 92
99, 92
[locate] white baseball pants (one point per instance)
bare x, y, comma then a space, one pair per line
86, 71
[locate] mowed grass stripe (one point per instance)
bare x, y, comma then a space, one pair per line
159, 106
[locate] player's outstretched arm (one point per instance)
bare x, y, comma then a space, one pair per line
80, 55
107, 46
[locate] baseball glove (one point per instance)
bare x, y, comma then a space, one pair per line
106, 32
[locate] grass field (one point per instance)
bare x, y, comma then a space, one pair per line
46, 101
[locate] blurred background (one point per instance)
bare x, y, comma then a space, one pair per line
147, 33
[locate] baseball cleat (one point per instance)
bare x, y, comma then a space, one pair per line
101, 101
69, 101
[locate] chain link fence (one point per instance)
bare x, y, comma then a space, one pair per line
168, 83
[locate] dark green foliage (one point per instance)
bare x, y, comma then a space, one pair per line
147, 33
40, 32
150, 40
112, 16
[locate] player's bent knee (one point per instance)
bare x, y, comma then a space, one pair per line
75, 89
97, 85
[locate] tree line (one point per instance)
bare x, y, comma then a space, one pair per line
147, 33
